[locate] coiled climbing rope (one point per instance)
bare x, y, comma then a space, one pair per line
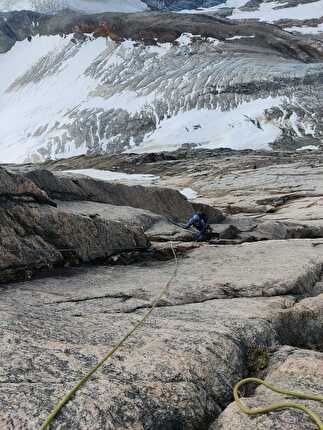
280, 405
59, 406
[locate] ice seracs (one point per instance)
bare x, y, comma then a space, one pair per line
215, 84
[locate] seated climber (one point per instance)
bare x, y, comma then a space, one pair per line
200, 222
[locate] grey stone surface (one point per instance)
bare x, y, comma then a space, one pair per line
180, 368
19, 187
169, 202
35, 236
156, 227
127, 215
231, 312
225, 231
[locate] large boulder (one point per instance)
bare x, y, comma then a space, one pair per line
162, 201
127, 215
14, 187
35, 236
156, 227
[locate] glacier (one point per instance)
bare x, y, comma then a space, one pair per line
151, 85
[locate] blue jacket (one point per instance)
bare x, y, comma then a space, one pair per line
198, 223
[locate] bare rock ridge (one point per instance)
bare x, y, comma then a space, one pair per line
166, 202
247, 302
180, 4
150, 28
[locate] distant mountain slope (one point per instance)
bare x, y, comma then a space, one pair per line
106, 5
299, 16
177, 5
141, 82
88, 6
302, 16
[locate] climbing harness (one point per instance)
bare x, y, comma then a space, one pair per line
280, 405
59, 406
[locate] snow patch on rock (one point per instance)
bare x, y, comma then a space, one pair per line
226, 4
267, 12
109, 176
240, 37
308, 148
189, 193
306, 29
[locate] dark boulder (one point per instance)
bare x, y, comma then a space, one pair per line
162, 201
35, 236
17, 186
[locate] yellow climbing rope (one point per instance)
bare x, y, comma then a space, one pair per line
250, 411
76, 388
280, 405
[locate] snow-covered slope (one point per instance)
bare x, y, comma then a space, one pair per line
275, 11
88, 6
139, 82
68, 97
304, 16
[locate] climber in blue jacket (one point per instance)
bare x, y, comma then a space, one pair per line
200, 222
